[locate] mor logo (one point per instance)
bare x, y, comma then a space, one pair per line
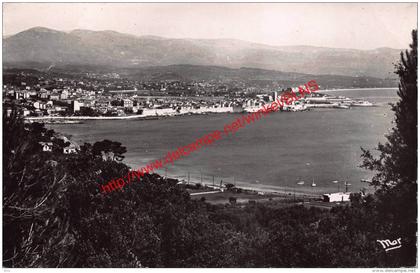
388, 245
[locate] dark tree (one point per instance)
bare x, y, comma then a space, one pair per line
117, 103
87, 111
398, 159
110, 149
34, 232
230, 186
396, 166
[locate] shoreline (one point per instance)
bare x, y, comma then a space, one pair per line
260, 189
140, 117
165, 113
284, 193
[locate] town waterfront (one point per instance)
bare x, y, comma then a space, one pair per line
272, 154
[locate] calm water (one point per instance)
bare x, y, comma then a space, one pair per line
275, 152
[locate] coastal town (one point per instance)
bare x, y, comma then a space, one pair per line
109, 96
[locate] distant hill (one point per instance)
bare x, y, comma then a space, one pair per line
109, 48
200, 72
257, 76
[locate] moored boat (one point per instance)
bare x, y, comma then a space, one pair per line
362, 103
341, 106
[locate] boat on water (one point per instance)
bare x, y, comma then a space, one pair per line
341, 106
362, 104
313, 183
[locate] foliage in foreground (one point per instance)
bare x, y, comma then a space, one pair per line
396, 165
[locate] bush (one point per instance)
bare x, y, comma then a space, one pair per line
230, 186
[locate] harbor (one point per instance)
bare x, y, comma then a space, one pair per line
312, 101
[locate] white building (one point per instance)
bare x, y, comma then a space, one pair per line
46, 146
40, 105
275, 95
128, 103
55, 96
75, 106
337, 197
64, 95
25, 112
21, 95
71, 149
43, 94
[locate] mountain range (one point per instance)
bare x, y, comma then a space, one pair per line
48, 47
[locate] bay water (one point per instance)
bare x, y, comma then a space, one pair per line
273, 153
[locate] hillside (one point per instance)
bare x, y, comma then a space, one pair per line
256, 76
84, 47
250, 76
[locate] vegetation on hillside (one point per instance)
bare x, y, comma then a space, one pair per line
396, 165
55, 216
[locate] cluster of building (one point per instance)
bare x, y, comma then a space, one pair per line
62, 97
44, 102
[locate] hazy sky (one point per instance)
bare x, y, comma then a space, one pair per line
344, 25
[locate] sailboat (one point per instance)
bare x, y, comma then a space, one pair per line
313, 183
347, 185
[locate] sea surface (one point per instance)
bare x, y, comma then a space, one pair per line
274, 153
